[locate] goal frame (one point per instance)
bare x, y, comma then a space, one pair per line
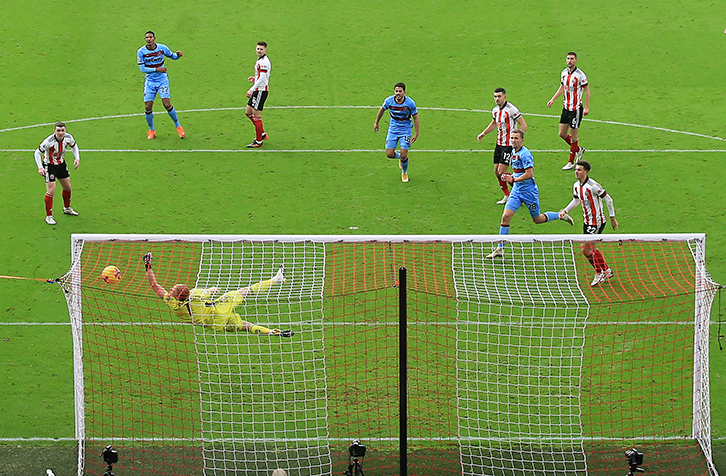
701, 428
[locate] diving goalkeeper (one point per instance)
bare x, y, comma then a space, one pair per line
199, 306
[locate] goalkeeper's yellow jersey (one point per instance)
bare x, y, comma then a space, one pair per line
216, 313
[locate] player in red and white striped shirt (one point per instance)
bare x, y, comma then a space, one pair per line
505, 118
50, 159
591, 195
258, 94
573, 83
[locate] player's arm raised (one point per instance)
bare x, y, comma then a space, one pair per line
151, 277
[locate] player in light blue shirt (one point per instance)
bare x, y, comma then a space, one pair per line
524, 191
402, 110
150, 58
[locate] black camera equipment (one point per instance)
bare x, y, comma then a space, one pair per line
634, 459
110, 456
357, 452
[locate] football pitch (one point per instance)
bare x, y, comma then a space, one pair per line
654, 136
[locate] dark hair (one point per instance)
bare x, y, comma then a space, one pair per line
262, 43
154, 34
584, 163
572, 53
500, 90
400, 85
518, 131
60, 124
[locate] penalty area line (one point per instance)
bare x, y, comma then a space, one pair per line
343, 151
446, 109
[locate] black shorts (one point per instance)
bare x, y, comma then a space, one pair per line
572, 118
53, 172
503, 154
592, 229
257, 101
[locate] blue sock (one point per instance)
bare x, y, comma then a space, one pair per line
503, 230
551, 216
404, 166
172, 114
396, 155
150, 120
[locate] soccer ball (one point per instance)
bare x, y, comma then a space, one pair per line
279, 472
111, 275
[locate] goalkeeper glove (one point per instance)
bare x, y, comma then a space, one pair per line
285, 333
147, 260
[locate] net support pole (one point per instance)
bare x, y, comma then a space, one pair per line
403, 371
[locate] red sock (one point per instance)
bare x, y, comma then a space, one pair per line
259, 128
66, 198
600, 264
567, 138
503, 186
574, 148
48, 205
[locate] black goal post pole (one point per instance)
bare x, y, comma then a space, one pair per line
403, 371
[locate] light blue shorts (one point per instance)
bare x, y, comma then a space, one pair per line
530, 200
394, 138
154, 86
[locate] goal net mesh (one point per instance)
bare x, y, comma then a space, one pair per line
516, 365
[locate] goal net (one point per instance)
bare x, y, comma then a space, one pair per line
516, 365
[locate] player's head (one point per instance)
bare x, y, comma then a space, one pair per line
399, 91
261, 49
150, 38
180, 292
584, 164
517, 138
500, 96
582, 168
571, 59
60, 130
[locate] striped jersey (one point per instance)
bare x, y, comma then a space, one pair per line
522, 160
148, 60
54, 151
401, 114
574, 82
591, 194
262, 74
506, 121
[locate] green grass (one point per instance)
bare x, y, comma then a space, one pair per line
643, 62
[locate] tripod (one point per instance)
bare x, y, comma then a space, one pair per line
354, 468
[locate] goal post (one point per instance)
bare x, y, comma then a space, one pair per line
516, 364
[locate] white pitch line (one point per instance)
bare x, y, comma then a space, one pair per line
480, 111
341, 151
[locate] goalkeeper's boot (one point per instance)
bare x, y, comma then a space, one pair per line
180, 131
285, 333
497, 252
568, 219
279, 278
70, 211
602, 276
